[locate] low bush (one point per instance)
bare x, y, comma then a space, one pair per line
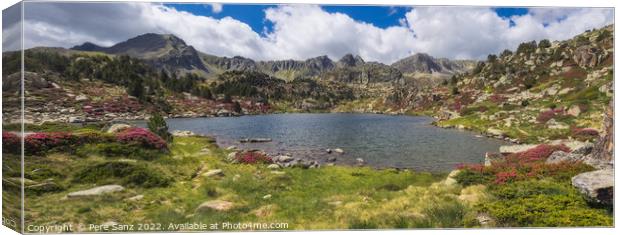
129, 174
141, 137
43, 141
118, 150
253, 157
542, 203
545, 116
584, 134
11, 143
520, 166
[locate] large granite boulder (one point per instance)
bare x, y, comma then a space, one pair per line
597, 186
97, 191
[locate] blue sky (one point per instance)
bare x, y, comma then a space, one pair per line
254, 15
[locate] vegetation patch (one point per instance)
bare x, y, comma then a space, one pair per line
130, 174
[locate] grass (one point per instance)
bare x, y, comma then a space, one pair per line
333, 197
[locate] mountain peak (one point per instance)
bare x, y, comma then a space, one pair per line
88, 46
349, 60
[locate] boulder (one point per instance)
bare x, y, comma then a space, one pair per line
561, 156
360, 161
136, 198
283, 159
232, 157
515, 148
217, 205
81, 98
490, 158
97, 191
331, 159
76, 120
273, 166
117, 127
339, 150
183, 133
584, 149
495, 132
574, 110
597, 186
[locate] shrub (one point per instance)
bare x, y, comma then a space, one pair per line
141, 137
519, 166
545, 116
541, 203
11, 143
41, 142
253, 157
584, 134
158, 125
118, 150
128, 173
497, 98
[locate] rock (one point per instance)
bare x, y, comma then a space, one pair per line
75, 120
495, 132
339, 150
328, 150
565, 91
232, 157
360, 161
331, 159
97, 191
117, 127
232, 147
273, 166
283, 159
553, 124
268, 196
597, 186
136, 198
255, 140
485, 220
212, 173
586, 56
217, 205
574, 110
205, 150
584, 149
490, 158
81, 98
183, 133
561, 156
515, 148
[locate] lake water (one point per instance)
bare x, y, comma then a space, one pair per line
381, 140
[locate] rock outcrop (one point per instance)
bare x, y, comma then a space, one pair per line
597, 186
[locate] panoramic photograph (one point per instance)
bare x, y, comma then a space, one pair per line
197, 117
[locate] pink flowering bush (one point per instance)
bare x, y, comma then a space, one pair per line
11, 143
142, 137
253, 157
529, 164
545, 116
584, 134
44, 141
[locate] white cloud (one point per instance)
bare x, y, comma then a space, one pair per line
304, 31
216, 7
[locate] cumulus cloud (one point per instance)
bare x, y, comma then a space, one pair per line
304, 31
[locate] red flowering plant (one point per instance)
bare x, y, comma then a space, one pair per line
545, 116
521, 166
44, 141
11, 143
584, 134
253, 157
142, 137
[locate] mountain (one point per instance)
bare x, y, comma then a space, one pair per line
164, 51
424, 63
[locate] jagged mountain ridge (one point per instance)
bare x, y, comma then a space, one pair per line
175, 56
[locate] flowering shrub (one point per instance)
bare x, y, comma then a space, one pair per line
11, 143
253, 157
43, 141
497, 98
142, 137
521, 166
549, 114
585, 134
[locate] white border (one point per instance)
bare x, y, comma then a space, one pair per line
505, 3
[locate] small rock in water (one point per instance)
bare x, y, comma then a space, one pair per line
183, 133
255, 140
339, 150
360, 161
211, 173
328, 150
331, 159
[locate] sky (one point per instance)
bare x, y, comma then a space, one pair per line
272, 32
